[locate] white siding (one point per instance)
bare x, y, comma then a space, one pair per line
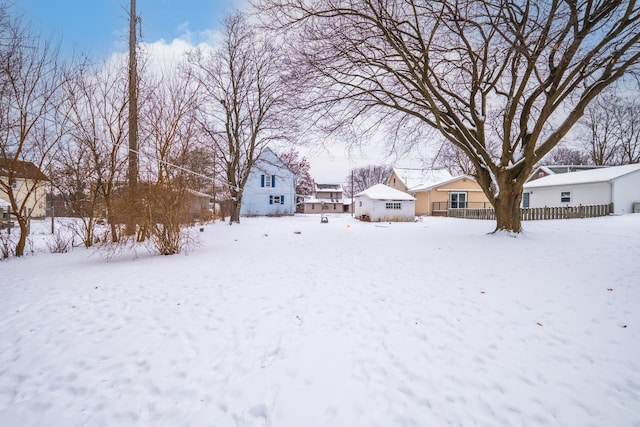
622, 191
377, 209
626, 190
362, 206
581, 194
255, 198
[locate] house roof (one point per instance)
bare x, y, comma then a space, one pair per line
329, 187
198, 193
4, 204
414, 177
312, 199
590, 176
430, 186
25, 170
555, 169
279, 163
384, 192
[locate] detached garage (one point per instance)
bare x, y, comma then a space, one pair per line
383, 203
619, 185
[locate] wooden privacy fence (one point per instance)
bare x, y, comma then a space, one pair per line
559, 212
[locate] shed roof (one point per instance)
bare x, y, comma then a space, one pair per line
384, 192
591, 176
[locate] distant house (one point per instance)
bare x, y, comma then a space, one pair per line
383, 203
542, 171
4, 209
270, 187
405, 178
28, 185
619, 185
460, 192
328, 198
436, 191
198, 205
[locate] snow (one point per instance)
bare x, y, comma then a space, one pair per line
384, 192
584, 176
429, 323
432, 185
414, 177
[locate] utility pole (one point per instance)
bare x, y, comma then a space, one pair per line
133, 122
353, 205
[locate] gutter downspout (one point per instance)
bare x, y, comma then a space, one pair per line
611, 199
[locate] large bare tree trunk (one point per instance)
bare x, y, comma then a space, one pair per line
237, 205
507, 207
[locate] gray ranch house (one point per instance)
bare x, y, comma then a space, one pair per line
617, 185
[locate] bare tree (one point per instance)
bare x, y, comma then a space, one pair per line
94, 151
562, 155
30, 78
170, 129
246, 94
453, 159
305, 185
502, 80
611, 130
367, 176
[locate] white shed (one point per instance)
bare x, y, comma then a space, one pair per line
619, 185
383, 203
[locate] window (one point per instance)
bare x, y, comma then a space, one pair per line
14, 183
457, 200
334, 206
565, 197
276, 200
525, 200
360, 203
393, 205
268, 181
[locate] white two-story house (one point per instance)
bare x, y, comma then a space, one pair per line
270, 188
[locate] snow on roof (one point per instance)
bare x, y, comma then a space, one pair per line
584, 176
312, 199
328, 187
413, 177
432, 185
4, 204
569, 168
198, 193
383, 192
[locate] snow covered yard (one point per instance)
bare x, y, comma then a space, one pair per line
430, 323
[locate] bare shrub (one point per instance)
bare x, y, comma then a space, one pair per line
7, 246
59, 243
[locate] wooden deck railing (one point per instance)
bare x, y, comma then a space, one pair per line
560, 212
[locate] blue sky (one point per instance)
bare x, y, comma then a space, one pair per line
99, 27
